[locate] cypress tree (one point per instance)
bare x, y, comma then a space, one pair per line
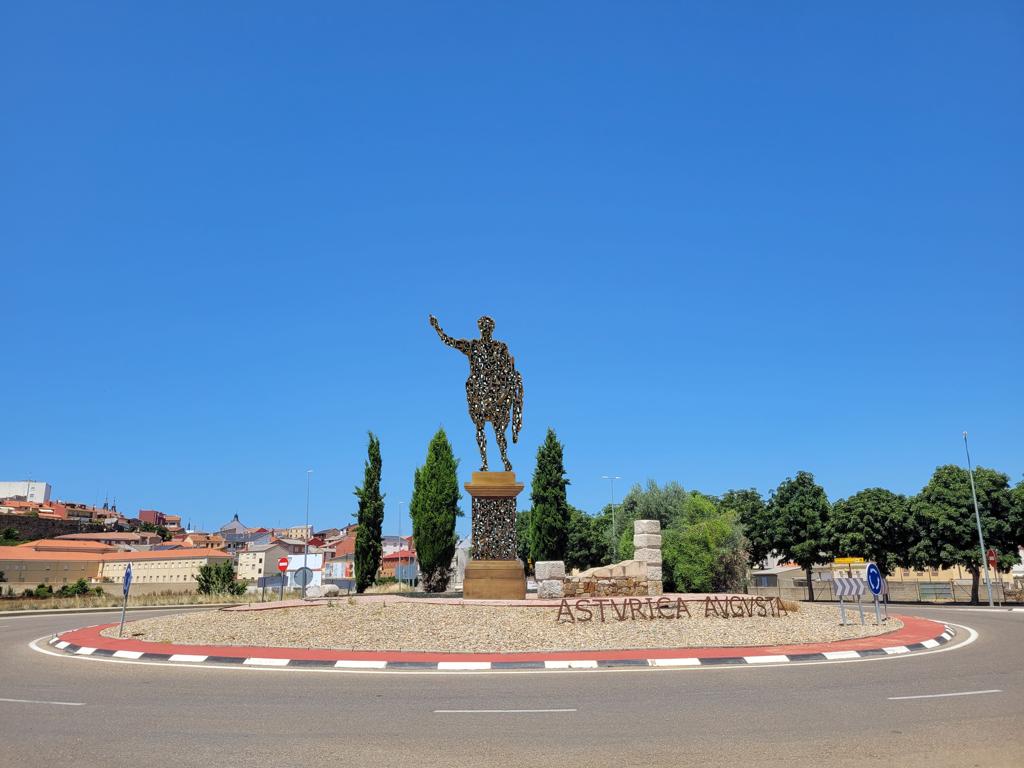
434, 507
549, 518
370, 518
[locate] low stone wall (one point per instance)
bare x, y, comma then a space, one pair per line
638, 577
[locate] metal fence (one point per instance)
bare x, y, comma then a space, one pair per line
899, 591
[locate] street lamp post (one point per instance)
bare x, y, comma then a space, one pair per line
398, 565
615, 538
305, 548
977, 519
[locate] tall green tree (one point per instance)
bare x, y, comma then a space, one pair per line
875, 524
549, 516
1017, 515
795, 525
707, 555
370, 518
434, 508
944, 513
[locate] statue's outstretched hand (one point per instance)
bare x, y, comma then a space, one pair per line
433, 322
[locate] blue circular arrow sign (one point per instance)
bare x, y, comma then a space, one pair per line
874, 577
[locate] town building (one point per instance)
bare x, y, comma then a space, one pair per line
301, 532
401, 565
234, 526
203, 540
177, 568
260, 561
130, 539
32, 491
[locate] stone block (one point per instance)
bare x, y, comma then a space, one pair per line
646, 526
649, 555
642, 540
654, 587
550, 589
604, 572
618, 571
654, 573
635, 569
549, 569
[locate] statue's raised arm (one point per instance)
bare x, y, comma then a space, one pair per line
463, 345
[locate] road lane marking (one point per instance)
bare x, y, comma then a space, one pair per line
455, 665
34, 701
496, 711
943, 695
360, 664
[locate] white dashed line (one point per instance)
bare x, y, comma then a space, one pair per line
943, 695
496, 711
58, 703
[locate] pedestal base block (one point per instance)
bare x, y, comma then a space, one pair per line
494, 580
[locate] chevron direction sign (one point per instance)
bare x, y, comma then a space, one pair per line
846, 587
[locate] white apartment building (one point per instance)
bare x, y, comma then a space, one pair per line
29, 490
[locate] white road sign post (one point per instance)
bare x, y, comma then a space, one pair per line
875, 582
124, 605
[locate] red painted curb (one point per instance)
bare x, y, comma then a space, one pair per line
914, 630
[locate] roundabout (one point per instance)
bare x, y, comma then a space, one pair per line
458, 636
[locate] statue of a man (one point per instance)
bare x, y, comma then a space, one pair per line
493, 389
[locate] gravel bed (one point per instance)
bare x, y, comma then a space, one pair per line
406, 626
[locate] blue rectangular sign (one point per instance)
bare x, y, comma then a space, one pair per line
127, 579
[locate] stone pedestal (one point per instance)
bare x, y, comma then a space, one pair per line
494, 572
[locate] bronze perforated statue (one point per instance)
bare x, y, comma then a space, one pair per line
494, 388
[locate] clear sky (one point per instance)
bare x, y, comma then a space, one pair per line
725, 242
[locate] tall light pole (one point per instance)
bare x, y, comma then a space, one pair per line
398, 565
615, 538
305, 548
977, 519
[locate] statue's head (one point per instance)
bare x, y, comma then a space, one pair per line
486, 326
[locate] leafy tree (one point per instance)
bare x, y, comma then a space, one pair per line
219, 579
1017, 514
875, 524
434, 507
708, 555
587, 545
549, 517
370, 518
151, 528
795, 525
944, 513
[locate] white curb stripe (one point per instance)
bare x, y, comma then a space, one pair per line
463, 665
559, 664
894, 649
128, 654
832, 655
62, 644
765, 659
674, 662
186, 657
267, 662
930, 643
361, 664
85, 651
946, 636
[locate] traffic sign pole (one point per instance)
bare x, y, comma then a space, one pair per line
124, 605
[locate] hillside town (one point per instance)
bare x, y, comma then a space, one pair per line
53, 543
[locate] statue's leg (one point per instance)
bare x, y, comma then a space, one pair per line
481, 442
499, 435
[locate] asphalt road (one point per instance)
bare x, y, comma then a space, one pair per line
832, 714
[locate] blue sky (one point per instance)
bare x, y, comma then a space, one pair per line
724, 243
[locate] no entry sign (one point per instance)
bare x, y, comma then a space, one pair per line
282, 564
